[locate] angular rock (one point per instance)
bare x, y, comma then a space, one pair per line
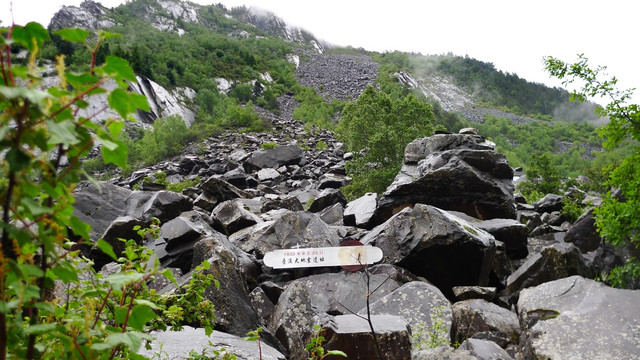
453, 172
221, 190
485, 350
262, 304
474, 292
584, 234
268, 174
554, 262
549, 203
120, 228
326, 198
100, 205
179, 344
433, 243
332, 215
478, 318
238, 178
418, 303
316, 295
292, 229
511, 232
231, 216
274, 158
333, 181
362, 209
164, 205
174, 248
287, 202
576, 318
352, 335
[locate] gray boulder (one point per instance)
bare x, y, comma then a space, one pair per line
219, 190
478, 318
460, 172
576, 318
100, 205
433, 243
318, 295
361, 210
326, 198
553, 262
292, 229
274, 158
418, 303
549, 203
583, 233
352, 335
511, 232
485, 350
164, 205
231, 216
179, 345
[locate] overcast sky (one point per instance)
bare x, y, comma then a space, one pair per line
513, 35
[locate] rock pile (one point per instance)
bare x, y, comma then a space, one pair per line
464, 260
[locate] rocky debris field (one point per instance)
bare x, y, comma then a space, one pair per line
465, 261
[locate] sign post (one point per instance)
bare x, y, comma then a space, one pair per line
349, 257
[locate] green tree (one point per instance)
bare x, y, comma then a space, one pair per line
376, 129
618, 219
542, 178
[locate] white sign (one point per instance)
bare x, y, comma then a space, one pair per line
317, 257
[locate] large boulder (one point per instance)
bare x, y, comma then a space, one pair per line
419, 304
511, 232
163, 205
433, 243
360, 211
231, 216
100, 204
461, 172
478, 318
583, 233
290, 230
553, 262
180, 344
576, 318
352, 335
317, 296
274, 158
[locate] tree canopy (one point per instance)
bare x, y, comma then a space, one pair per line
377, 128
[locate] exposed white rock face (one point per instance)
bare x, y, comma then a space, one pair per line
89, 15
223, 85
165, 103
266, 77
183, 10
294, 59
165, 24
450, 97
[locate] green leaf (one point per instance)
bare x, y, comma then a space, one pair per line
65, 272
139, 102
336, 352
140, 315
108, 35
73, 35
115, 128
33, 95
34, 207
106, 248
169, 275
118, 68
119, 101
117, 156
39, 329
79, 81
79, 227
30, 32
148, 303
117, 281
63, 132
